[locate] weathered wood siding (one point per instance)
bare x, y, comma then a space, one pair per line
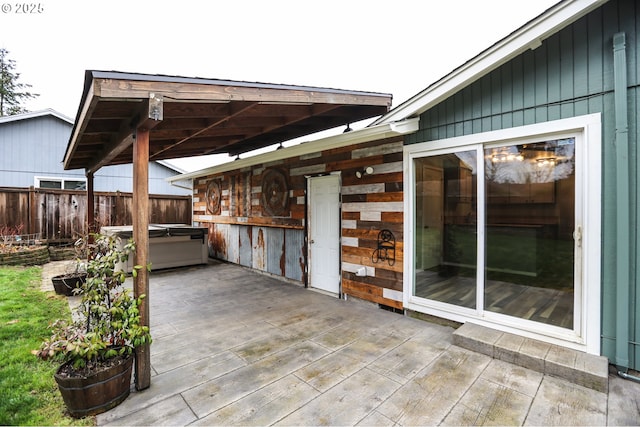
570, 74
243, 232
60, 215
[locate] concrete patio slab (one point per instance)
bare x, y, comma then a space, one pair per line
233, 347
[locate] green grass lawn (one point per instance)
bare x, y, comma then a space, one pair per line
29, 392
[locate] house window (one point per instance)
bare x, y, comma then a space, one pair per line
61, 183
500, 222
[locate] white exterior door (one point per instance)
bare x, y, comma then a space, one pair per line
324, 233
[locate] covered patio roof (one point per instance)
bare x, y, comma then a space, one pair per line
136, 118
195, 116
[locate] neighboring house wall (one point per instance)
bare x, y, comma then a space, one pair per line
242, 231
571, 74
34, 148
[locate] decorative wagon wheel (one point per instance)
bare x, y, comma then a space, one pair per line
213, 197
275, 193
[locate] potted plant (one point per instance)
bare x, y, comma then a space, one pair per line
98, 347
70, 282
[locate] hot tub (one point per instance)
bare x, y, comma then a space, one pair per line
170, 245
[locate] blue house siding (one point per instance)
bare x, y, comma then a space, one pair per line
570, 74
34, 147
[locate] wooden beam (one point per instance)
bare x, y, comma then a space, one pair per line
82, 121
148, 116
207, 90
141, 255
232, 114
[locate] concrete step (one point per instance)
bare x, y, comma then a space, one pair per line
575, 366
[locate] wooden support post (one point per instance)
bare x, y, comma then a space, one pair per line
91, 208
32, 222
141, 238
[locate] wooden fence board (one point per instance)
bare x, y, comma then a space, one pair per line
60, 215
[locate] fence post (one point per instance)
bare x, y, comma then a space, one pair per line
33, 211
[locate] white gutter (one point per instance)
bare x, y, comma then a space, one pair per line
385, 130
529, 36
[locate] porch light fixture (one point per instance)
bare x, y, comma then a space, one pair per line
348, 128
366, 171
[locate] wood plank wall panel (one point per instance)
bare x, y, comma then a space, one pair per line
369, 204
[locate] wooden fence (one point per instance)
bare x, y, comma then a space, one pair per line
61, 215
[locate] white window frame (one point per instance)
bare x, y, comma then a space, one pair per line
60, 179
587, 130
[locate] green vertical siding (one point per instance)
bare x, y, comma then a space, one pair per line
571, 74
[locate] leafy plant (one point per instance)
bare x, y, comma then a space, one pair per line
107, 321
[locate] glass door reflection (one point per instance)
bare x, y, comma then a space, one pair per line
530, 219
445, 228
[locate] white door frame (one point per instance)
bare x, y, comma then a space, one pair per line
587, 130
324, 273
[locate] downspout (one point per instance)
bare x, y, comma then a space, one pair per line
622, 203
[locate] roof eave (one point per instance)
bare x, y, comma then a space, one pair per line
34, 114
529, 36
371, 133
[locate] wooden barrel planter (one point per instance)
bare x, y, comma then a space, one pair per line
64, 284
98, 392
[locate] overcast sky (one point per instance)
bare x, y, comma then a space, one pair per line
398, 47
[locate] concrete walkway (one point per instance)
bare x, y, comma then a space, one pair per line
232, 347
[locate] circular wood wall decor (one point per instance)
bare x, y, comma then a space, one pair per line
275, 193
213, 197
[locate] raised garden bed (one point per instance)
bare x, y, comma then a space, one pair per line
25, 255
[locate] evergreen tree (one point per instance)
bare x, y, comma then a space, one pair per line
12, 92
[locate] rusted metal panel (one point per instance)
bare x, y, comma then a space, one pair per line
218, 241
276, 250
259, 254
245, 250
294, 254
233, 249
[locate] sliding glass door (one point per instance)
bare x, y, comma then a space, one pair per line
530, 220
493, 229
445, 228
